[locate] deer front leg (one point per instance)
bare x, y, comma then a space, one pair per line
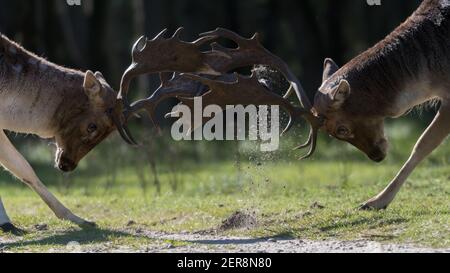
433, 136
14, 162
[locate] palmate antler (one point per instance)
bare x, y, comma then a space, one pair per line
187, 72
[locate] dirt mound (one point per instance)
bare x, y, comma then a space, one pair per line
239, 220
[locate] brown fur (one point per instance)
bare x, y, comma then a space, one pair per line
418, 48
56, 100
416, 55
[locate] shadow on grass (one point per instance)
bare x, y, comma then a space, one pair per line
371, 223
82, 237
372, 226
87, 237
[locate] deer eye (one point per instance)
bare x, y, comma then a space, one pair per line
91, 128
343, 132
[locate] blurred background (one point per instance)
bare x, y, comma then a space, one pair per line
98, 35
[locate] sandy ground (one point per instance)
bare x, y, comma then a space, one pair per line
200, 243
213, 243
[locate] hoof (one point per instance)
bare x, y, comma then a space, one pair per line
10, 228
365, 207
88, 225
368, 207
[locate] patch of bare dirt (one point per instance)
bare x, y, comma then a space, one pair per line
239, 220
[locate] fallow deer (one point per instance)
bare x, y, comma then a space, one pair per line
79, 109
42, 98
411, 66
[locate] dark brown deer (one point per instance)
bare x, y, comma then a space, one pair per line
411, 66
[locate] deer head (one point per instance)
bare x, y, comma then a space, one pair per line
332, 103
187, 72
86, 123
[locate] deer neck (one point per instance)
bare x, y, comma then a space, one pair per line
407, 68
34, 93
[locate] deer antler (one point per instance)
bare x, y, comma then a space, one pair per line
159, 55
187, 72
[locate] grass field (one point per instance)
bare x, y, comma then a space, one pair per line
315, 199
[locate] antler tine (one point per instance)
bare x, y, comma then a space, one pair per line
178, 33
228, 34
239, 40
312, 143
160, 35
203, 40
295, 87
117, 116
140, 44
306, 144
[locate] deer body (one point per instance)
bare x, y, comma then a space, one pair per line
409, 67
39, 97
31, 92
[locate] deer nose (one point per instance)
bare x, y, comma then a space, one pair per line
66, 165
377, 156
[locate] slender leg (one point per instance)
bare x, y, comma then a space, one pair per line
5, 222
433, 136
14, 162
4, 219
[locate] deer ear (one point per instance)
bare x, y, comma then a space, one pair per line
329, 68
91, 85
99, 74
340, 94
102, 79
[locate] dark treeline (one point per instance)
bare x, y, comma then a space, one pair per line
98, 34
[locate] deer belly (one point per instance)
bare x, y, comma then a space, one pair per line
18, 115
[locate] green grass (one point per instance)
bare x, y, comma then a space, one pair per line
202, 193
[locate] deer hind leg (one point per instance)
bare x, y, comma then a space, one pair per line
5, 222
433, 136
14, 162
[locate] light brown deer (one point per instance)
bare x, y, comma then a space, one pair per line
79, 109
39, 97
